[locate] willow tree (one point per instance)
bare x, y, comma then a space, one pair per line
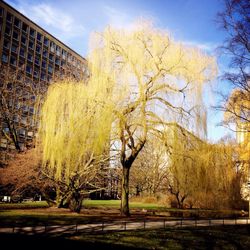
74, 133
200, 173
159, 78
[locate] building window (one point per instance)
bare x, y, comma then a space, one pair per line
23, 40
9, 17
44, 64
64, 54
25, 27
6, 44
4, 58
46, 41
39, 37
50, 69
57, 61
43, 77
31, 45
15, 35
45, 53
13, 60
51, 57
38, 49
37, 61
52, 47
14, 48
17, 22
1, 11
32, 32
57, 50
28, 69
22, 52
35, 74
7, 30
30, 57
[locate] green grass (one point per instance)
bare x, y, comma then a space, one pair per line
116, 204
35, 213
86, 203
24, 205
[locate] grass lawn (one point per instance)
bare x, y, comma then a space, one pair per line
38, 213
218, 237
86, 203
116, 204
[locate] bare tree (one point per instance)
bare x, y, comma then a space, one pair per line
23, 176
148, 176
235, 20
18, 107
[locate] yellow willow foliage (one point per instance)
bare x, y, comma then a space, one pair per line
238, 106
152, 71
75, 126
198, 167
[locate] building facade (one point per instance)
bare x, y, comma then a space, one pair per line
30, 58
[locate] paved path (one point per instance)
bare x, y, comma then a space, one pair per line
123, 225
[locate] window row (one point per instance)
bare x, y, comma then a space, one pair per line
35, 34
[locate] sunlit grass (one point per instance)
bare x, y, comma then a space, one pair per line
116, 204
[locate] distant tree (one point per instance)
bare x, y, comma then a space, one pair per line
153, 75
148, 176
74, 136
23, 176
235, 20
18, 98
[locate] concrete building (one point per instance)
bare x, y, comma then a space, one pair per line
30, 58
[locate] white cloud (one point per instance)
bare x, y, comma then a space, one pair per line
56, 18
208, 47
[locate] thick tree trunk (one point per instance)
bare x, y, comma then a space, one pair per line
125, 192
75, 203
62, 200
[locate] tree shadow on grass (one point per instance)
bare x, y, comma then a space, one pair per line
27, 242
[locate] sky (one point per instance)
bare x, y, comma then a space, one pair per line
189, 21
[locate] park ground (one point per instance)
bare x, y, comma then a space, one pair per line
37, 213
218, 237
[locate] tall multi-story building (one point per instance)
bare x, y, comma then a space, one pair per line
30, 58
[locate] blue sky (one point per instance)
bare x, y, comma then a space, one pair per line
189, 21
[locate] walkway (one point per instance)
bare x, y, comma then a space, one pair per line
122, 225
